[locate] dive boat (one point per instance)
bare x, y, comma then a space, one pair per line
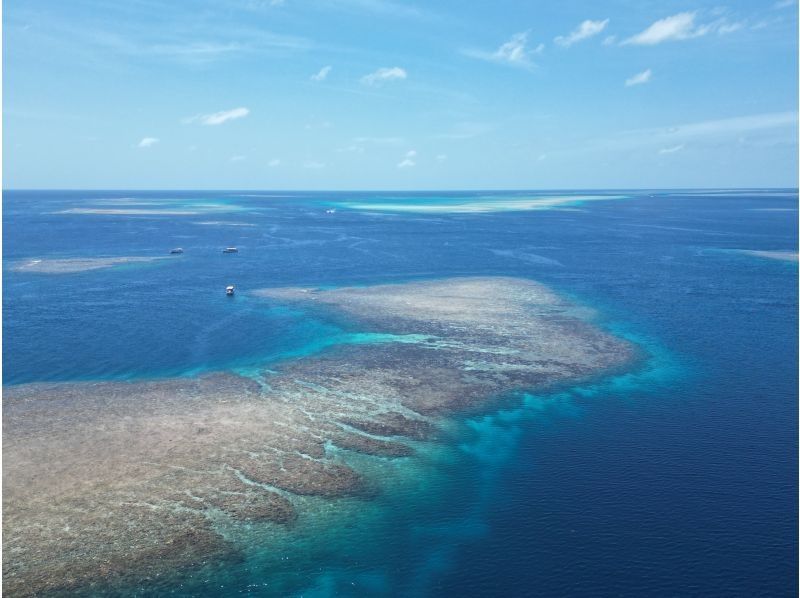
230, 250
229, 290
177, 250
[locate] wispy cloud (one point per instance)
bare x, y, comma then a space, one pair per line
322, 74
237, 158
779, 125
783, 4
682, 26
639, 78
725, 28
585, 30
409, 160
387, 8
175, 37
609, 40
313, 165
148, 142
383, 75
677, 27
218, 118
441, 157
514, 52
274, 162
671, 150
739, 124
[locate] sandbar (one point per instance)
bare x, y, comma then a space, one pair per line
73, 265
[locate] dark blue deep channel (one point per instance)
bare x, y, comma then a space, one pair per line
677, 479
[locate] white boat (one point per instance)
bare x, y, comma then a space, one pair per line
177, 250
230, 250
229, 290
331, 211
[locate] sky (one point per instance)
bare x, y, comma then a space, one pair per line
389, 94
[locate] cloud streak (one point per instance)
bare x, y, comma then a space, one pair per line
639, 78
514, 52
409, 160
218, 118
584, 31
680, 27
322, 74
677, 27
782, 124
384, 74
148, 142
671, 150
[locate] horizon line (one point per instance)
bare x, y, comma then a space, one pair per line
389, 190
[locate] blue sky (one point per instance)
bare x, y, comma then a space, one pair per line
387, 94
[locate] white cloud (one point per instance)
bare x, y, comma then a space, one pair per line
441, 157
542, 157
671, 150
609, 40
682, 26
514, 52
639, 78
783, 4
677, 27
322, 74
237, 158
725, 28
148, 142
585, 30
313, 165
217, 118
274, 162
408, 161
384, 74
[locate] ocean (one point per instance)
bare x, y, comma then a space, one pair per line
678, 477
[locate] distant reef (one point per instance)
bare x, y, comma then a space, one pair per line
80, 264
115, 483
781, 255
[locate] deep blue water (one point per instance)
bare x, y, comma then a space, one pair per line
678, 480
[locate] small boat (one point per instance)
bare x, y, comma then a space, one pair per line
331, 211
177, 250
230, 250
229, 290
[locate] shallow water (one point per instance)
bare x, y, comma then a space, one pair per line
676, 479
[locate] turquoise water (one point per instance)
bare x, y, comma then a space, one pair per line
678, 478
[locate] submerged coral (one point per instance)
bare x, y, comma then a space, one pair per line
120, 481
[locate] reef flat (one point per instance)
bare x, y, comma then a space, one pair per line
785, 256
477, 205
73, 265
116, 483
